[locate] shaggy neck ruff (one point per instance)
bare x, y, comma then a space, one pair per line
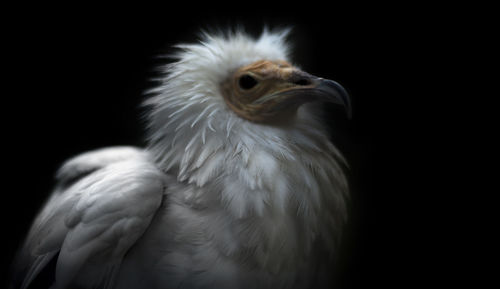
283, 185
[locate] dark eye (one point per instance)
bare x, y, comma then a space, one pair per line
247, 82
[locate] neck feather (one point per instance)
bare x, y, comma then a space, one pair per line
284, 185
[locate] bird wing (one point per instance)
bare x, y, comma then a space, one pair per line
104, 201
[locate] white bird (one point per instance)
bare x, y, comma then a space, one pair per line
239, 186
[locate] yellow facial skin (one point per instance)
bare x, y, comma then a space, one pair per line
258, 92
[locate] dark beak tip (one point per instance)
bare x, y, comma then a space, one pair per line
337, 94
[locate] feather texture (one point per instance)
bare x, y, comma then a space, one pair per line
94, 221
214, 201
272, 192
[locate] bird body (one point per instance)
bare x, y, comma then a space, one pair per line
234, 190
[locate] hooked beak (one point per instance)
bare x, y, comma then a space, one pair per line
301, 87
266, 91
332, 91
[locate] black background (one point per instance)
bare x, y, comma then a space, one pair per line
77, 75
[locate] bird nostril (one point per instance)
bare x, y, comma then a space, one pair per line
302, 81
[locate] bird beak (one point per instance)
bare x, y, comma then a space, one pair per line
331, 91
300, 87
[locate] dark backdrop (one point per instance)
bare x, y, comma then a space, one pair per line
77, 75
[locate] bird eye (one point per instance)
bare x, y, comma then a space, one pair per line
247, 82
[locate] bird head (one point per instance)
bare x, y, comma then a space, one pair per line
231, 120
266, 90
230, 83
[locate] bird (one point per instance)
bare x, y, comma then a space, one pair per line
239, 184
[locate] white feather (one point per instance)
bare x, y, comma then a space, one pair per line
255, 171
95, 221
245, 205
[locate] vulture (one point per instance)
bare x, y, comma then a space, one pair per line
238, 186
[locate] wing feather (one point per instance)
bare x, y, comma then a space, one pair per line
94, 221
